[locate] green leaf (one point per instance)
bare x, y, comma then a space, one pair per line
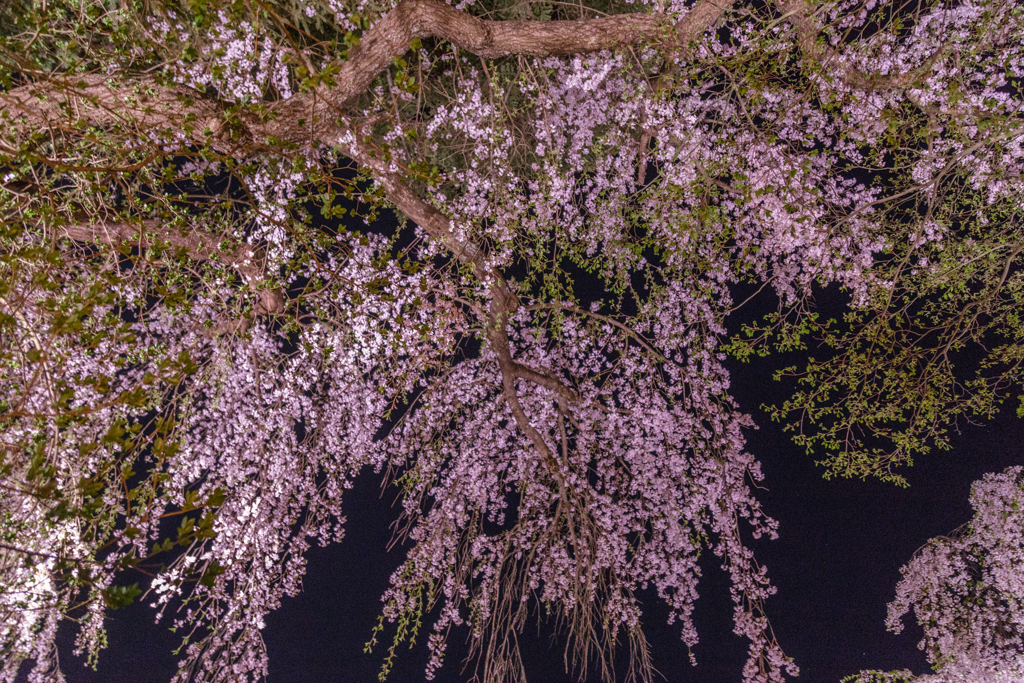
118, 597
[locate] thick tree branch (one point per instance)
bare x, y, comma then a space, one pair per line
553, 383
431, 220
141, 104
149, 232
148, 106
497, 334
248, 262
392, 36
503, 301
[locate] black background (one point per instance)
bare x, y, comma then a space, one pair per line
836, 564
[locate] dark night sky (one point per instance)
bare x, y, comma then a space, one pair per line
836, 564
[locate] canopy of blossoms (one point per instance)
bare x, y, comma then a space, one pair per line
199, 354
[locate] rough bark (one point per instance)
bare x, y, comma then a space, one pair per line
504, 301
201, 246
141, 105
490, 39
147, 106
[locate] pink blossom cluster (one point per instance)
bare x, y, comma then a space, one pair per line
284, 433
652, 470
600, 452
76, 386
967, 592
237, 60
276, 434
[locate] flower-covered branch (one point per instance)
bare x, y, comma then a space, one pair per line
533, 355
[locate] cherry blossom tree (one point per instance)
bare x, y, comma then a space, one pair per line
965, 591
205, 335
